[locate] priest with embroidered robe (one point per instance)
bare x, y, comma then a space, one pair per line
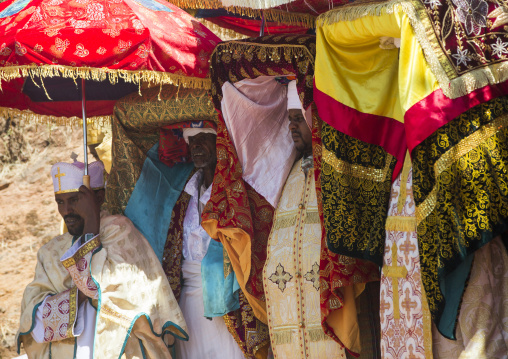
291, 274
99, 290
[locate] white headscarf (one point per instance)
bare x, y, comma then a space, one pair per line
193, 131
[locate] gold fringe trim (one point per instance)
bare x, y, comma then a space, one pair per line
353, 12
282, 337
312, 218
262, 51
454, 154
101, 74
317, 335
284, 222
223, 33
275, 15
400, 224
29, 117
450, 82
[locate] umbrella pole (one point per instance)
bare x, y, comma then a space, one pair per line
262, 30
86, 177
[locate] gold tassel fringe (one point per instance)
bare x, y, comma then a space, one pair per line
222, 33
275, 15
29, 117
101, 74
271, 51
317, 335
453, 86
282, 337
400, 224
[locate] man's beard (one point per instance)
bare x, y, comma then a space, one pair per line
78, 226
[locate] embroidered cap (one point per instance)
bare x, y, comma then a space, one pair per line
68, 177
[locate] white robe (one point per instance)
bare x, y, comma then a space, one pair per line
208, 339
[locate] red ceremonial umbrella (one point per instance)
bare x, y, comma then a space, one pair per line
118, 42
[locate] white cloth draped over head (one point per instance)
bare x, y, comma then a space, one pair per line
193, 131
257, 121
294, 103
68, 177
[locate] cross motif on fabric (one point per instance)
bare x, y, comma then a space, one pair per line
411, 353
407, 247
280, 277
313, 275
408, 304
394, 272
383, 305
58, 175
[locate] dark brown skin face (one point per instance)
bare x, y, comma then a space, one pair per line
300, 132
204, 154
75, 207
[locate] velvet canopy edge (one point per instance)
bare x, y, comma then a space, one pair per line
452, 85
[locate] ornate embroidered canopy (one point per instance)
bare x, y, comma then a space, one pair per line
136, 41
437, 103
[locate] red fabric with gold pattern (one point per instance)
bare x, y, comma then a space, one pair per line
148, 40
235, 204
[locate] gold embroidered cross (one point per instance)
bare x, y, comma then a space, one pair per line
407, 247
395, 272
408, 304
58, 175
313, 275
280, 277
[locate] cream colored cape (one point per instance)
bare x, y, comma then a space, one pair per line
135, 302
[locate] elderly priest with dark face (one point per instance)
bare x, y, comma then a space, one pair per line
99, 291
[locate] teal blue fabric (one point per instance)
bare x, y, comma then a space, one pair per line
453, 287
220, 295
154, 196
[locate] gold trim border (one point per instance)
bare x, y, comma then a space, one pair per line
84, 250
450, 82
77, 190
102, 74
358, 171
73, 297
255, 47
280, 16
467, 144
36, 119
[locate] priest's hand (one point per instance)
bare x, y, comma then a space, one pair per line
88, 207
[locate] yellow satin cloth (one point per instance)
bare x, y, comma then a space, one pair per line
135, 300
352, 68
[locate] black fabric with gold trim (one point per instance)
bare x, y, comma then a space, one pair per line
355, 181
460, 186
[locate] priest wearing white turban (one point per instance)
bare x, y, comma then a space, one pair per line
209, 337
291, 272
99, 291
